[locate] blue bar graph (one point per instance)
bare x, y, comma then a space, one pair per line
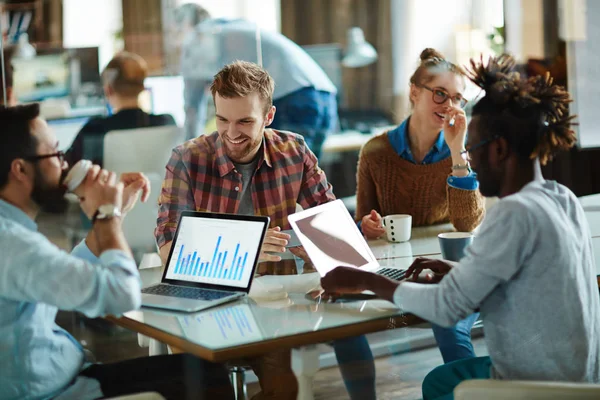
222, 265
178, 265
237, 248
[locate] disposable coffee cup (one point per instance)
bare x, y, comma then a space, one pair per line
76, 176
454, 244
397, 227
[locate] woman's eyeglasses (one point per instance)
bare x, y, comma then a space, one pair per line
440, 96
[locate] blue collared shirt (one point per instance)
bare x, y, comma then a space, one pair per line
39, 359
439, 151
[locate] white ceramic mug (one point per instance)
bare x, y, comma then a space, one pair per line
397, 227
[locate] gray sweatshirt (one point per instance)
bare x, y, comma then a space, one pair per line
531, 271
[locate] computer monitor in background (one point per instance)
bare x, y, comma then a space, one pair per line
42, 77
166, 96
66, 129
329, 58
85, 82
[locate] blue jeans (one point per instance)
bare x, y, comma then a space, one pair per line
455, 342
309, 112
357, 365
439, 384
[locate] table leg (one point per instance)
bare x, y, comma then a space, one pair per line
157, 348
305, 364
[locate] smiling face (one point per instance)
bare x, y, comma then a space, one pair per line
241, 122
429, 111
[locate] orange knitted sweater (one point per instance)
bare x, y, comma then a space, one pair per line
390, 184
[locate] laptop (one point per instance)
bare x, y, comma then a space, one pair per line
211, 262
332, 239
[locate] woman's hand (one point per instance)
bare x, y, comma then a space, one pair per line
372, 225
456, 134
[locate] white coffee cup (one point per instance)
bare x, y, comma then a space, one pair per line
397, 227
76, 176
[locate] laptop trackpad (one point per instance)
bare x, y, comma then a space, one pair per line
173, 303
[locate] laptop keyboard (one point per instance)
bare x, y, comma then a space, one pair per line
186, 292
392, 273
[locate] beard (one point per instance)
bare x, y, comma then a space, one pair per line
48, 197
489, 182
237, 153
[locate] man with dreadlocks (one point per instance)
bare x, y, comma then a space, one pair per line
531, 269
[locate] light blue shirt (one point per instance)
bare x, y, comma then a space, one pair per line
439, 151
217, 42
39, 359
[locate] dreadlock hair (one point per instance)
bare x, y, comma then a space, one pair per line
531, 114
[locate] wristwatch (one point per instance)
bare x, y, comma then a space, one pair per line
106, 211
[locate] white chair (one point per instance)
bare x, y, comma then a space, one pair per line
142, 149
491, 389
138, 226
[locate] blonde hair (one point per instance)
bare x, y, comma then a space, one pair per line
432, 62
241, 78
125, 74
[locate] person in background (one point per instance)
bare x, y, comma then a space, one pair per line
9, 71
249, 169
39, 359
417, 169
531, 269
123, 80
305, 98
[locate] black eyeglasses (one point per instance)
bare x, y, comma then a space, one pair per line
466, 154
440, 96
59, 154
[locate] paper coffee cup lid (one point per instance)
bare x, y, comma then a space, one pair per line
77, 174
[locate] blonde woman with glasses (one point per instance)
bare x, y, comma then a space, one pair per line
420, 168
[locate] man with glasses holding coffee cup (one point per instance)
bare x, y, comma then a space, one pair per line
531, 269
40, 359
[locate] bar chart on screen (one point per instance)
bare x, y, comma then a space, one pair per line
215, 252
234, 324
222, 263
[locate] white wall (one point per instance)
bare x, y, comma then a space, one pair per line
90, 23
524, 28
417, 24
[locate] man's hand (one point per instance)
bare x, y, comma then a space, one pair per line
354, 280
134, 182
346, 280
275, 242
372, 225
301, 253
439, 267
100, 188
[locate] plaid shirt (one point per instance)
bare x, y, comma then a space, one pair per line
201, 177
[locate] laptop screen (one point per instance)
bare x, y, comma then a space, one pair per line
331, 238
216, 251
